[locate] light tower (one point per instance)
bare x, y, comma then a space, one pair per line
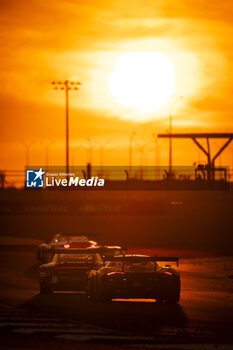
131, 152
170, 132
66, 85
27, 148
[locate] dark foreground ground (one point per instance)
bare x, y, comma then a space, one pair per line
202, 320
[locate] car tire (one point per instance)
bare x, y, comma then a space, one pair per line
102, 295
90, 290
45, 288
38, 255
173, 296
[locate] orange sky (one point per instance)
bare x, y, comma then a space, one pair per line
42, 41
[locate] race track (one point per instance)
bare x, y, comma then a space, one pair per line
203, 316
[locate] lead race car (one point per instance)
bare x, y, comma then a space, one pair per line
135, 276
69, 268
45, 250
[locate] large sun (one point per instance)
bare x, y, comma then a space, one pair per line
143, 81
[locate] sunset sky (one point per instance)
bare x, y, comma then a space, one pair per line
43, 41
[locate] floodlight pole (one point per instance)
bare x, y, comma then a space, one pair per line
170, 138
170, 144
67, 126
101, 149
131, 152
47, 145
157, 155
66, 85
27, 148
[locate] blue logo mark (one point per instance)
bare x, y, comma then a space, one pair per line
35, 178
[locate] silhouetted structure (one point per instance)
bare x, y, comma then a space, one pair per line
2, 180
210, 167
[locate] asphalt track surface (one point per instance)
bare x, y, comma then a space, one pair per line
202, 320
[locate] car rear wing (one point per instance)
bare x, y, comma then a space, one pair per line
146, 258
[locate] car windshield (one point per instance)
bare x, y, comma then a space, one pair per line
69, 238
132, 266
58, 238
74, 258
77, 239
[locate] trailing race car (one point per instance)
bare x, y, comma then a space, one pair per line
135, 276
45, 250
68, 270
